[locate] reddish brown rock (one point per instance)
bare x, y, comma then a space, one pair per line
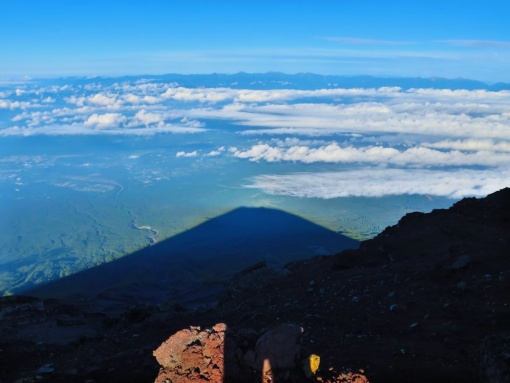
193, 355
331, 376
217, 355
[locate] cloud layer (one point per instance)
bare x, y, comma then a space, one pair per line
333, 153
428, 141
383, 182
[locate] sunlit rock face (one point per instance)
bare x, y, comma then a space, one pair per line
193, 355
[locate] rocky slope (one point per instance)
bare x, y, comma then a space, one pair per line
427, 300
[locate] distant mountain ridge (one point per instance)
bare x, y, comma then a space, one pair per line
306, 81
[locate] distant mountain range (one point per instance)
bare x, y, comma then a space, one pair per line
277, 80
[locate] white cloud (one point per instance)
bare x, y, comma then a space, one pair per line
215, 95
383, 182
334, 153
8, 104
145, 118
135, 111
210, 95
447, 120
294, 141
215, 153
104, 100
471, 145
35, 118
135, 99
107, 120
186, 154
131, 98
150, 99
13, 131
81, 129
457, 113
418, 131
79, 101
386, 94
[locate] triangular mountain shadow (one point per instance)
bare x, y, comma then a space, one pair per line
191, 265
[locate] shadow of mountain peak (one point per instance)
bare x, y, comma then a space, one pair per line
193, 264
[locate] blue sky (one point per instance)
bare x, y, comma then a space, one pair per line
452, 39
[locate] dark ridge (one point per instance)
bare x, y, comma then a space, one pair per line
277, 80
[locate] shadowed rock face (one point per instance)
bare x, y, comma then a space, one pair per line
495, 359
414, 304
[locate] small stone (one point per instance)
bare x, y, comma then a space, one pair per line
461, 262
462, 286
46, 369
220, 327
311, 365
494, 361
71, 371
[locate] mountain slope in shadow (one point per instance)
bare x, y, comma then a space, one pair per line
192, 265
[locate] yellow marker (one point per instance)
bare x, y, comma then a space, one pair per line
311, 365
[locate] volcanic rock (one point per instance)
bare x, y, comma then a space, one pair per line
193, 355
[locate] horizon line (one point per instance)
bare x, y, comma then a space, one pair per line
27, 78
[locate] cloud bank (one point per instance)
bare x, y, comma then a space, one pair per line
383, 182
333, 153
428, 141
